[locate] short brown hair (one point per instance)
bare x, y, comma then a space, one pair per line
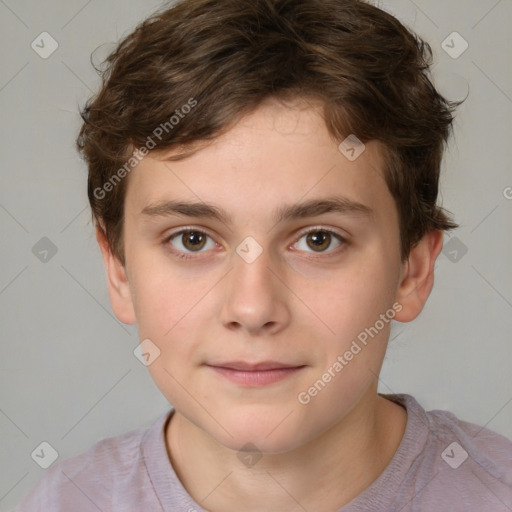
368, 70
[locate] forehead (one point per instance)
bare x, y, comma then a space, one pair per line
279, 154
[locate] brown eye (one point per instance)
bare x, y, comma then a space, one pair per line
190, 241
193, 240
320, 240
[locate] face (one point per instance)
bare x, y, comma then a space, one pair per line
290, 254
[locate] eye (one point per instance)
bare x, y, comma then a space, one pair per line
189, 240
320, 239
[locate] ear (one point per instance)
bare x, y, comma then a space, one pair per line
118, 285
417, 278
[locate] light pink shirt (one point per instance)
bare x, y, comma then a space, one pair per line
442, 464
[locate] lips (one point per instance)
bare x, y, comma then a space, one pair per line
253, 367
254, 375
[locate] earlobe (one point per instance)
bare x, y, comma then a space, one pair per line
417, 277
118, 285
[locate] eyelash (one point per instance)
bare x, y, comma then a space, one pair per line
190, 256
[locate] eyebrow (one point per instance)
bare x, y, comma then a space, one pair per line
312, 208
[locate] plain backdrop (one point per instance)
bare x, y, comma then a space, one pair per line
68, 373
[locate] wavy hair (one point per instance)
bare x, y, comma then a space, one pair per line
369, 71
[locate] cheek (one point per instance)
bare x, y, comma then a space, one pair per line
154, 305
162, 291
159, 304
352, 297
170, 311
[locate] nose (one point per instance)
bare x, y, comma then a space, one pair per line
256, 296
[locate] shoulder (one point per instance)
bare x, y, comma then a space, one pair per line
491, 451
459, 462
93, 479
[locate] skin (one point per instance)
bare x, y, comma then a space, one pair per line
294, 304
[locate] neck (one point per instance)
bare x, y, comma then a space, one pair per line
323, 475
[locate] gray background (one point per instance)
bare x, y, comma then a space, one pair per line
68, 373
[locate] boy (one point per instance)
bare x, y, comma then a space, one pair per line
264, 178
